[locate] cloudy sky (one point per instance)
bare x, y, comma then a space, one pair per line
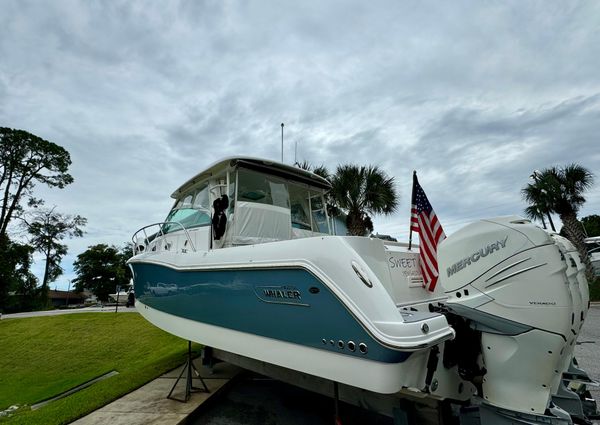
144, 94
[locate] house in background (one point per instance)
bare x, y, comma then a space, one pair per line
66, 298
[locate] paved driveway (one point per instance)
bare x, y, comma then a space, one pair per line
107, 309
587, 351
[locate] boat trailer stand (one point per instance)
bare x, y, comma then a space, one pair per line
189, 384
336, 403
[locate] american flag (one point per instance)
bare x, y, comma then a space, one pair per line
424, 221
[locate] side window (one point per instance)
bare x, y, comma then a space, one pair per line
299, 207
201, 199
185, 202
319, 214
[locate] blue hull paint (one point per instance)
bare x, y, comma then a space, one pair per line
282, 304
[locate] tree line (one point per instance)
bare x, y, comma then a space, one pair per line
27, 160
28, 226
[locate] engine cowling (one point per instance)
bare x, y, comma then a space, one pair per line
515, 283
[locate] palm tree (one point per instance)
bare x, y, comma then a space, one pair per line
562, 192
362, 192
320, 171
533, 212
537, 195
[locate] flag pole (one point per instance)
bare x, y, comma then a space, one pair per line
412, 199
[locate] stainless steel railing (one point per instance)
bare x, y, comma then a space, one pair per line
149, 240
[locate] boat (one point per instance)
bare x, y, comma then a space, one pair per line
120, 297
246, 262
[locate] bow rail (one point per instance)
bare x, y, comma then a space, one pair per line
139, 247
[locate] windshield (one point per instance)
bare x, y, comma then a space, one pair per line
191, 210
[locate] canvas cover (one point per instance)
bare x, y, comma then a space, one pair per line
255, 223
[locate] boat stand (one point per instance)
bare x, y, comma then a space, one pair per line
189, 385
336, 404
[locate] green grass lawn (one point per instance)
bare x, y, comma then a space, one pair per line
44, 356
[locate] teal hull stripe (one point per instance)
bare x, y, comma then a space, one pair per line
283, 304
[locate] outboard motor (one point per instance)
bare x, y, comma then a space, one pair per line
522, 290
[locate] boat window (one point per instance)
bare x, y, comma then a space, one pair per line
319, 214
262, 189
299, 207
192, 210
279, 194
185, 202
201, 200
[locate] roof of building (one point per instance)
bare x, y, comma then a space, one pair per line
54, 294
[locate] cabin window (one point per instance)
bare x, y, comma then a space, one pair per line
185, 202
192, 210
262, 189
319, 213
201, 200
299, 207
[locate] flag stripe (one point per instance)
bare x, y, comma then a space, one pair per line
428, 260
424, 221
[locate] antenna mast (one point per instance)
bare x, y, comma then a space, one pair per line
281, 142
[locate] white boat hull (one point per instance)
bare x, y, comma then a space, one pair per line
374, 376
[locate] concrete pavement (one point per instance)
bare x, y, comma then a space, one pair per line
150, 405
587, 350
105, 309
